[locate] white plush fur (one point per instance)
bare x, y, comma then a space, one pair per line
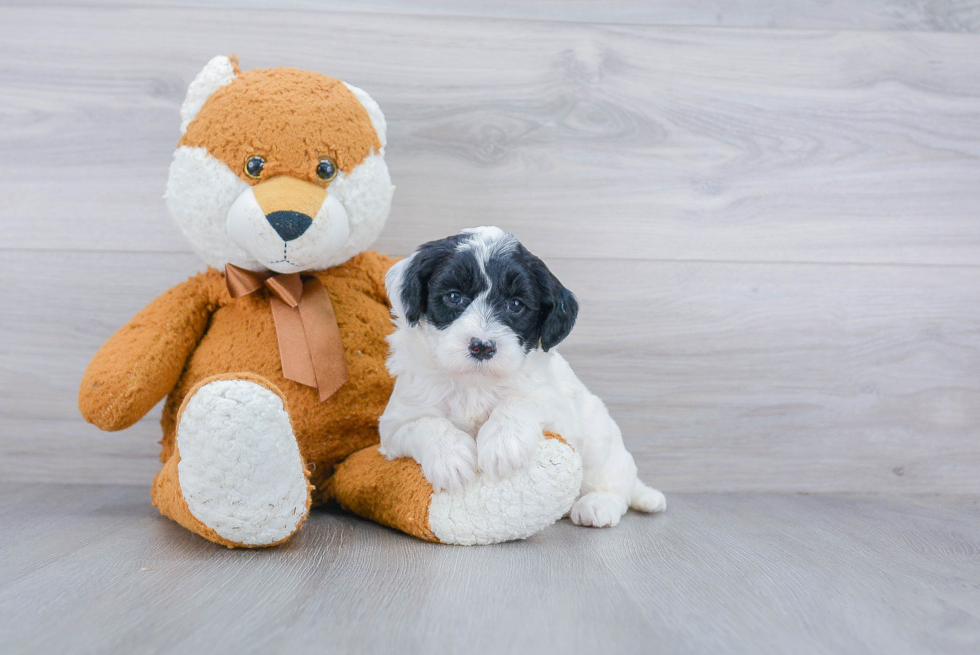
200, 192
491, 511
240, 469
319, 247
215, 75
374, 112
457, 416
217, 213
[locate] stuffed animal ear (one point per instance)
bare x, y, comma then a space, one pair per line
407, 282
558, 306
374, 112
219, 71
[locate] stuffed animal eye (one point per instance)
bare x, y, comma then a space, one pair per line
326, 171
253, 167
515, 306
456, 299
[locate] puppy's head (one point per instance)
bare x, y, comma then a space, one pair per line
482, 301
278, 169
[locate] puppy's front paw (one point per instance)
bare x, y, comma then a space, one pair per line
598, 509
451, 465
503, 446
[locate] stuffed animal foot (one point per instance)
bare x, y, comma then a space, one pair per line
395, 493
236, 476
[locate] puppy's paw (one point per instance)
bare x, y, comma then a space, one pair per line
598, 509
504, 446
647, 499
451, 465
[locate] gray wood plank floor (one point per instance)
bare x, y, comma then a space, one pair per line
94, 569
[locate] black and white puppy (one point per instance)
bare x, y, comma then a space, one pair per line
477, 318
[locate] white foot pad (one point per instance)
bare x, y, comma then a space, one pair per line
240, 470
490, 511
598, 509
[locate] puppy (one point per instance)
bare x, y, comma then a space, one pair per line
477, 318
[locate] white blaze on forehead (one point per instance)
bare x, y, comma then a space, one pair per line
480, 319
488, 239
485, 242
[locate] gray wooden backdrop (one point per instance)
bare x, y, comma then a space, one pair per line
771, 215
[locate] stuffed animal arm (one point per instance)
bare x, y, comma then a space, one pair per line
141, 363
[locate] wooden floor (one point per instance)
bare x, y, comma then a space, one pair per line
94, 569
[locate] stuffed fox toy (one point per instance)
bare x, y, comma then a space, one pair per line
272, 361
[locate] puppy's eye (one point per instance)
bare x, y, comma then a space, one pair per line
254, 166
515, 306
456, 299
326, 170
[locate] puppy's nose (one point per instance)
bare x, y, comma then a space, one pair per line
482, 349
289, 224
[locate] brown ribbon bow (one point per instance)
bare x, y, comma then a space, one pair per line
310, 347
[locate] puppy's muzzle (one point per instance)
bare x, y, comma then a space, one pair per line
289, 204
482, 350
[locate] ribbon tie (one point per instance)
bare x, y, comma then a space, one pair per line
310, 347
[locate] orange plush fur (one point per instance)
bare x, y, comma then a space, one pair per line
135, 369
304, 116
196, 331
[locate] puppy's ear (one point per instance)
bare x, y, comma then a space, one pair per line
559, 308
408, 280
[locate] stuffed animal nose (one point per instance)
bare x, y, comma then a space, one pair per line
289, 204
482, 349
289, 224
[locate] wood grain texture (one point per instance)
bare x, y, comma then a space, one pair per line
95, 569
774, 232
695, 143
937, 15
722, 376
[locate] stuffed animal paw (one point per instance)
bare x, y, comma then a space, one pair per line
397, 494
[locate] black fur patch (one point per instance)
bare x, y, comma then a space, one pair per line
415, 285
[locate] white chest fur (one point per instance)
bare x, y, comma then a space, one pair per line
469, 407
546, 381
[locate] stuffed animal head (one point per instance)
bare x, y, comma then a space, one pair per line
278, 169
